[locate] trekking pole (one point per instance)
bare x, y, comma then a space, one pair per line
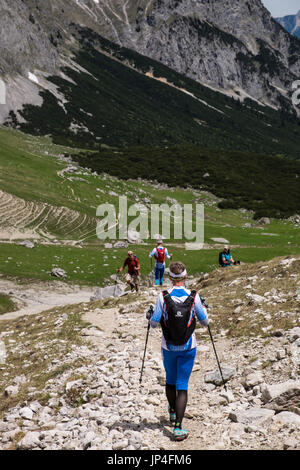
116, 282
216, 356
150, 312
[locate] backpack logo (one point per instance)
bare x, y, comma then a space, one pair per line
178, 314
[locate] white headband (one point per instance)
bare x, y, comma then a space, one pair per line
183, 274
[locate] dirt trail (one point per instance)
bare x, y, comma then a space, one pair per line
38, 297
115, 326
198, 419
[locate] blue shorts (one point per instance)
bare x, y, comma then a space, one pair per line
178, 366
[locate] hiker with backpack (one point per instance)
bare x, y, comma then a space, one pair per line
176, 311
133, 275
160, 254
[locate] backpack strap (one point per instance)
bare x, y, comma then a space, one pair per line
166, 297
191, 298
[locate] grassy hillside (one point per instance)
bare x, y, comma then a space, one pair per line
267, 184
6, 304
32, 177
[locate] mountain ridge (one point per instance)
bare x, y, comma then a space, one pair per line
291, 23
198, 39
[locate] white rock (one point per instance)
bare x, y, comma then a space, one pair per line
220, 240
291, 443
228, 395
255, 298
11, 391
280, 354
253, 415
119, 445
30, 441
26, 413
294, 334
252, 380
286, 417
270, 392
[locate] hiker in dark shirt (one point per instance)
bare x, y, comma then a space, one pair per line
176, 310
133, 275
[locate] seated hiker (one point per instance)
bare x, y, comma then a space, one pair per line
133, 275
176, 311
226, 259
160, 254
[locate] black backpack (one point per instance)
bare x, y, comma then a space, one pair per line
220, 258
178, 329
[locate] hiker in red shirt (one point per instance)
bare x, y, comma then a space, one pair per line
133, 275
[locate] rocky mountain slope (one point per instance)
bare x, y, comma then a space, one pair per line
291, 23
236, 47
239, 50
93, 399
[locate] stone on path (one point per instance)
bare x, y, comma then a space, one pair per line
215, 378
289, 418
256, 416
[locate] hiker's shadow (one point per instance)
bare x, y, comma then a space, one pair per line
162, 425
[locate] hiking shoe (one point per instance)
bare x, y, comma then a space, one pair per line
172, 414
180, 434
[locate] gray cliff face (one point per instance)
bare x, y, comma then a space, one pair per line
233, 46
226, 45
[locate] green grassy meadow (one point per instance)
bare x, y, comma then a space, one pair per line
29, 169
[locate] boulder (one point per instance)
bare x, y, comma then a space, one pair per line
30, 441
133, 237
27, 244
109, 291
294, 334
11, 391
220, 240
58, 272
255, 416
121, 244
291, 443
215, 378
264, 221
295, 219
26, 413
286, 417
252, 380
255, 298
284, 396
